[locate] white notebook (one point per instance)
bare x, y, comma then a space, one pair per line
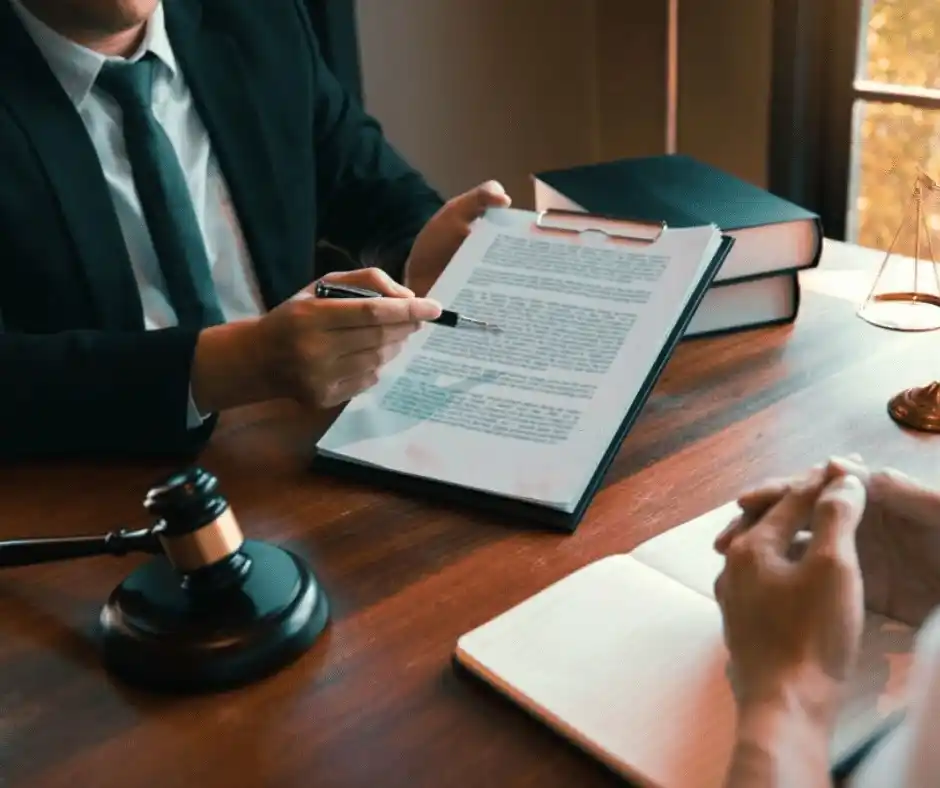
626, 658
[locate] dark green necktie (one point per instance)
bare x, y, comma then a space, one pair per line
164, 195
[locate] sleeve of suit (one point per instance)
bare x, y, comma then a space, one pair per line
89, 392
372, 203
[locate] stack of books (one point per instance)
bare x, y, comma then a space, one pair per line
758, 283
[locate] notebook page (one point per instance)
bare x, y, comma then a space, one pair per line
877, 687
529, 412
686, 553
620, 660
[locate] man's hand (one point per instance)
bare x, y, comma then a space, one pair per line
319, 352
442, 236
792, 626
898, 540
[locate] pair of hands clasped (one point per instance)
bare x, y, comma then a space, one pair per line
321, 352
793, 608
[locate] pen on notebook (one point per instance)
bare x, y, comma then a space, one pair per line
447, 317
851, 761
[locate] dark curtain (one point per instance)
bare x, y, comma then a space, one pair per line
814, 45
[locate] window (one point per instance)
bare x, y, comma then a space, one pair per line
856, 110
896, 117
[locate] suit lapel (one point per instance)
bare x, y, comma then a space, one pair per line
71, 164
230, 111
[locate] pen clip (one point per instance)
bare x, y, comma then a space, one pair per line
336, 290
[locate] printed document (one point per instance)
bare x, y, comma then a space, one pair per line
529, 412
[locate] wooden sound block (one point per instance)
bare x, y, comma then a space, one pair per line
161, 634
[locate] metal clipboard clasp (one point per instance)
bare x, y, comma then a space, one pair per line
615, 228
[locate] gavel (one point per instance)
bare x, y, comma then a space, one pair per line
211, 610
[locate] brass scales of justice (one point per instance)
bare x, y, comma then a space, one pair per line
911, 306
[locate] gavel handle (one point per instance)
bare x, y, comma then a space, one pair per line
26, 552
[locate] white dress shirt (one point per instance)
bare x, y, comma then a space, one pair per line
77, 69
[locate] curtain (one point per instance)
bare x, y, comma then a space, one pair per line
814, 43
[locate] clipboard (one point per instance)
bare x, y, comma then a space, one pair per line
512, 509
558, 220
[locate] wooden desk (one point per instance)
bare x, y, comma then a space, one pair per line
376, 702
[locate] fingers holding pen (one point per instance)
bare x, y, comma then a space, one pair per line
756, 502
774, 500
835, 519
323, 351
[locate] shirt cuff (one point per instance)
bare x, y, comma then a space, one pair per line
194, 418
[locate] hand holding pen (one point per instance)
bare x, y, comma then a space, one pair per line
320, 352
446, 318
320, 347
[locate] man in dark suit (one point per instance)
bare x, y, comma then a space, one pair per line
166, 173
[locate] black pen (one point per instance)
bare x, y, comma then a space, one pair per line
851, 761
447, 317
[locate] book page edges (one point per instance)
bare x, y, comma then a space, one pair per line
773, 248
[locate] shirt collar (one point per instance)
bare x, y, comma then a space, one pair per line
77, 67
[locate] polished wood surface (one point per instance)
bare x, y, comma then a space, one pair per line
377, 701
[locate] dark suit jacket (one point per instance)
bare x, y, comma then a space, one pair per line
78, 372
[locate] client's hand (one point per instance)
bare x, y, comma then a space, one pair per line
793, 625
898, 540
323, 352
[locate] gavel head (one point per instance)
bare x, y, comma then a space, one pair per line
199, 533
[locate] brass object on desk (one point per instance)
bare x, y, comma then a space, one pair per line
917, 407
911, 305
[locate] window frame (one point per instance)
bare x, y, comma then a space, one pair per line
813, 113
